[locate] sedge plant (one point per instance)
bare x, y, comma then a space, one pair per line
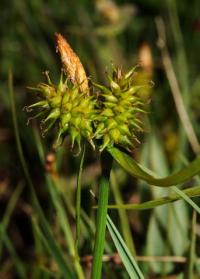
109, 117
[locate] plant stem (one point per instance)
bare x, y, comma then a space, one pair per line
78, 198
106, 164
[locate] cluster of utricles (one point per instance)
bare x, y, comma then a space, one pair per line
120, 106
111, 117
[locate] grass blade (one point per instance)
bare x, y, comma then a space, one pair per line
191, 192
10, 207
16, 260
186, 198
126, 257
136, 170
192, 254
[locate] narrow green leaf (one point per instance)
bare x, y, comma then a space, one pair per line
186, 198
191, 192
9, 210
20, 268
125, 255
135, 169
192, 252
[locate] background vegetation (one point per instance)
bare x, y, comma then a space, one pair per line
164, 35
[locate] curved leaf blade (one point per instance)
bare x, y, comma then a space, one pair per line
191, 192
136, 170
186, 198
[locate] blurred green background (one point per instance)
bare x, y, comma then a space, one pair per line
101, 32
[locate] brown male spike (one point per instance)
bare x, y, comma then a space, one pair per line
71, 63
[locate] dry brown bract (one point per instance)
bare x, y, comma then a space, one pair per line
71, 63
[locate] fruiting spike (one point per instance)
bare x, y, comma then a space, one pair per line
113, 118
121, 105
68, 109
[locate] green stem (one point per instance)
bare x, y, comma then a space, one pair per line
60, 211
78, 199
106, 163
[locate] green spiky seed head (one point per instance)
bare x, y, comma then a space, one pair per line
66, 107
121, 106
